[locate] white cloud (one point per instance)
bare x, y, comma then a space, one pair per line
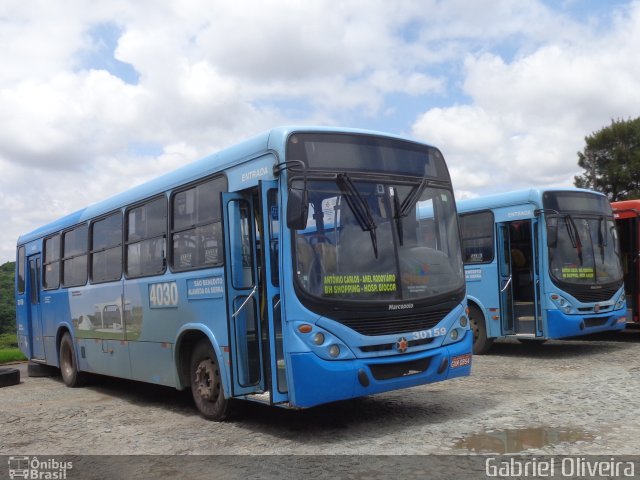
527, 118
211, 73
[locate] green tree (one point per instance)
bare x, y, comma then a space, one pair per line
7, 301
611, 160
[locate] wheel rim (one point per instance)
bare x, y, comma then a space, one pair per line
66, 361
206, 380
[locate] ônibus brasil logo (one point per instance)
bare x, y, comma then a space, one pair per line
35, 469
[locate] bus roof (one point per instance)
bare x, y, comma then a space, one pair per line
269, 141
626, 208
516, 197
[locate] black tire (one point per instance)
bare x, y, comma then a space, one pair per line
9, 376
68, 364
206, 383
481, 344
39, 370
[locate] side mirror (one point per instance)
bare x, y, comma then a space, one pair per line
297, 209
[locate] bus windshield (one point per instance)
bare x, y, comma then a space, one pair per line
378, 240
582, 239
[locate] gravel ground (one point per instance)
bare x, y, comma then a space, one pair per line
575, 397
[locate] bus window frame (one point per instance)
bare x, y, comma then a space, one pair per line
104, 249
85, 253
45, 261
493, 237
169, 256
21, 267
126, 242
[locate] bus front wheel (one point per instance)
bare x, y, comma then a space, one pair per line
481, 344
206, 383
68, 364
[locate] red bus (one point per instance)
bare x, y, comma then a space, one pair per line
627, 215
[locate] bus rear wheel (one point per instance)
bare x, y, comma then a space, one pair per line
481, 344
206, 383
68, 364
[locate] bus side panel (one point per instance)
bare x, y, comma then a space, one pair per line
482, 284
160, 307
55, 311
22, 324
98, 320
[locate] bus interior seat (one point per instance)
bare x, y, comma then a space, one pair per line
305, 255
328, 256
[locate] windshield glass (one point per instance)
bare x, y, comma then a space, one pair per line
583, 249
378, 241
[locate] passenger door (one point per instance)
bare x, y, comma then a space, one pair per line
243, 294
35, 311
274, 355
505, 276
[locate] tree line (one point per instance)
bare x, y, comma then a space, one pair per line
611, 160
7, 300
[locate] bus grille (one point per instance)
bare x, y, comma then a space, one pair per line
586, 294
595, 321
387, 325
403, 369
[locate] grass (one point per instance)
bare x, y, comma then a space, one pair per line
11, 355
9, 351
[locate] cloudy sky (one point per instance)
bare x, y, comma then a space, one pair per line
97, 96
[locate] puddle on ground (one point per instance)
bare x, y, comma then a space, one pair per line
518, 440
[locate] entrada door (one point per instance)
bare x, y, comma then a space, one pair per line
243, 295
519, 277
251, 229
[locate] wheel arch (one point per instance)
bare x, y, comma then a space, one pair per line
188, 336
62, 329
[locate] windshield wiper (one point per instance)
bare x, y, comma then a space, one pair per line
398, 218
602, 236
411, 199
402, 210
574, 236
359, 207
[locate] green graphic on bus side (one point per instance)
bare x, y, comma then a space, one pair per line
359, 284
577, 272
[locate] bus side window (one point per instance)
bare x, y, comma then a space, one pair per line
146, 238
196, 227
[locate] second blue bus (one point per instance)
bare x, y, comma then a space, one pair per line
541, 264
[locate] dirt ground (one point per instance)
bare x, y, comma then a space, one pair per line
574, 397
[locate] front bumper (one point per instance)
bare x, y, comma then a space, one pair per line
317, 381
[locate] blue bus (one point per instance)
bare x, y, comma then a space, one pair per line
541, 264
193, 281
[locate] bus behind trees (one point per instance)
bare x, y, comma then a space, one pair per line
627, 213
291, 269
541, 264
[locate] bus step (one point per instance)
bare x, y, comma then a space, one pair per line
262, 397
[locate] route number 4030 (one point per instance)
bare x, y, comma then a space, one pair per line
162, 295
431, 333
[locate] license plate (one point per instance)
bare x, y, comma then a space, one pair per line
461, 361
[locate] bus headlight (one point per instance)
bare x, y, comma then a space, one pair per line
454, 334
620, 302
322, 342
562, 303
463, 321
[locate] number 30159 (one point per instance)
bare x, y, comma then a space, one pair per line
431, 333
